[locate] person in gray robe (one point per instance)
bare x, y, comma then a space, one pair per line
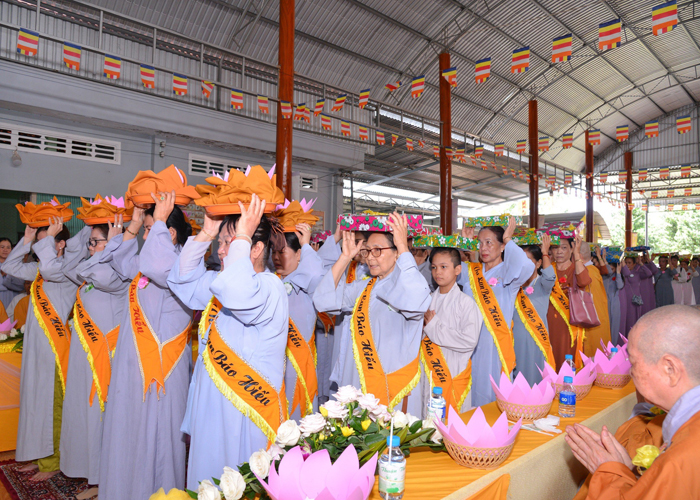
10, 286
613, 283
664, 283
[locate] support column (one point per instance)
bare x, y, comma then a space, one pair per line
589, 191
628, 199
533, 140
285, 92
446, 215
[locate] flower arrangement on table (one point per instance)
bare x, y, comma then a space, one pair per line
11, 338
353, 420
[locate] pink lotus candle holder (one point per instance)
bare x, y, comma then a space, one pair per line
7, 326
612, 373
316, 477
476, 444
518, 400
583, 379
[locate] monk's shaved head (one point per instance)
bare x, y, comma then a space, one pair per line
673, 330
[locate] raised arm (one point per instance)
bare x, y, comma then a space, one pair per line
15, 266
101, 275
122, 255
76, 251
330, 252
189, 279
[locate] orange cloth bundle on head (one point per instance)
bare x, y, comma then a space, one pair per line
102, 210
224, 193
38, 215
295, 212
171, 179
196, 228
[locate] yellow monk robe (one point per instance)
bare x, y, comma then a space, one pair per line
3, 313
600, 298
675, 474
20, 313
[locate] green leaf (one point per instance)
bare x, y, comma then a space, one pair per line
192, 494
216, 481
415, 427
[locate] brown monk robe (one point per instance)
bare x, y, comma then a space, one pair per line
664, 350
567, 259
638, 431
600, 299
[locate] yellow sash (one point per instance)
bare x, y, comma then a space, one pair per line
248, 390
302, 355
55, 330
560, 301
352, 272
534, 326
455, 389
493, 317
208, 315
389, 388
98, 347
156, 359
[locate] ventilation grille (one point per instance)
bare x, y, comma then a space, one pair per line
59, 144
206, 165
308, 182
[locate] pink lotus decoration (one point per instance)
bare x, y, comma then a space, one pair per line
519, 391
305, 205
618, 365
7, 326
117, 202
317, 478
225, 177
585, 376
478, 433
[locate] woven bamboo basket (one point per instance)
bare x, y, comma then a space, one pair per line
580, 390
612, 380
528, 413
477, 458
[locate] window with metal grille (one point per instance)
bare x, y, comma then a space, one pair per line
59, 144
207, 165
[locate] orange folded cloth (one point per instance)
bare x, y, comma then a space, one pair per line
237, 186
147, 182
295, 212
102, 210
38, 215
195, 227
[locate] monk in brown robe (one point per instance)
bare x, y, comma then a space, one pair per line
567, 258
664, 349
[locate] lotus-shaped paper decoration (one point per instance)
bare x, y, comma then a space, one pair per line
295, 212
519, 391
169, 179
316, 477
585, 376
237, 186
7, 326
102, 210
617, 365
39, 215
477, 433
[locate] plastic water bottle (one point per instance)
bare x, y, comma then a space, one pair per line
567, 399
613, 351
392, 470
569, 360
437, 404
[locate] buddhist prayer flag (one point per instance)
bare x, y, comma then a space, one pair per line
71, 55
112, 67
326, 122
344, 128
644, 207
664, 173
299, 112
207, 88
417, 86
484, 165
236, 99
651, 129
364, 133
543, 143
684, 207
318, 109
609, 35
688, 191
364, 98
393, 86
179, 84
604, 177
381, 140
622, 133
521, 174
568, 178
685, 170
27, 42
478, 151
498, 148
307, 114
567, 141
459, 153
504, 169
482, 70
286, 109
654, 194
697, 206
339, 102
264, 104
642, 175
521, 146
561, 48
394, 137
448, 152
450, 74
521, 60
683, 124
148, 76
436, 151
664, 17
493, 164
421, 143
594, 137
552, 179
513, 173
409, 144
622, 176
